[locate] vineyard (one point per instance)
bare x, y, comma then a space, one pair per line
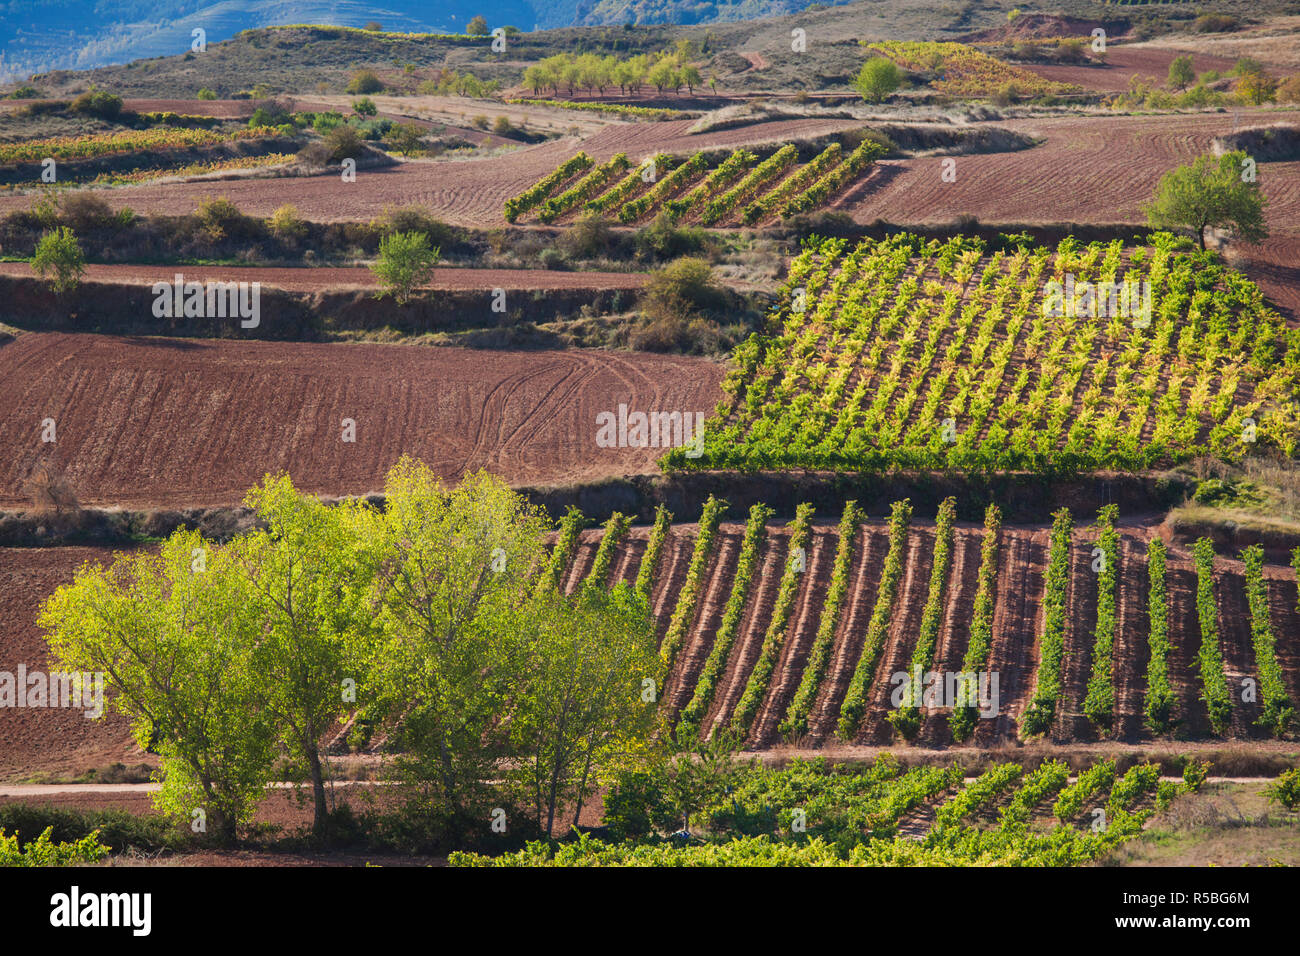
127, 141
814, 814
741, 188
966, 71
904, 353
814, 634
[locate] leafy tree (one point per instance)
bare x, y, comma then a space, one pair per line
306, 577
453, 644
1181, 73
207, 94
406, 261
477, 27
364, 106
406, 138
699, 772
879, 77
344, 142
59, 259
581, 713
169, 632
1207, 193
1256, 88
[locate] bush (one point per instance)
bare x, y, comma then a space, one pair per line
1285, 790
405, 261
118, 829
588, 237
415, 218
364, 81
344, 142
96, 102
1214, 23
1288, 91
221, 219
406, 138
663, 240
207, 94
59, 259
84, 211
682, 289
364, 106
285, 223
502, 126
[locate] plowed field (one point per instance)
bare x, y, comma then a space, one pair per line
162, 422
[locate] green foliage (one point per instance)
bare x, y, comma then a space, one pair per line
1285, 790
1160, 692
98, 103
59, 259
732, 616
878, 78
769, 655
1210, 192
1089, 784
906, 718
1209, 659
364, 107
537, 193
1041, 712
1278, 712
615, 530
1099, 702
796, 717
965, 712
645, 575
855, 699
405, 262
44, 852
206, 94
566, 542
1181, 73
684, 612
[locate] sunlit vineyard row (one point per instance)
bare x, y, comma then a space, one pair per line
738, 189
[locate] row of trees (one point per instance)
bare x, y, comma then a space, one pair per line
423, 620
587, 71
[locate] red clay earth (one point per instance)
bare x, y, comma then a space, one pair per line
339, 277
1125, 62
62, 741
160, 422
50, 740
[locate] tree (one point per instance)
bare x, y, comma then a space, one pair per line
306, 575
364, 106
878, 78
169, 632
207, 94
663, 75
1181, 73
59, 259
406, 138
452, 647
1256, 88
406, 260
1210, 192
477, 27
373, 26
691, 77
344, 142
581, 712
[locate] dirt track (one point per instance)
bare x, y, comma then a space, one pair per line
164, 422
342, 277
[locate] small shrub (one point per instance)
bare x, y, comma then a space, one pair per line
344, 142
84, 211
364, 81
59, 259
1285, 790
221, 219
364, 106
405, 262
207, 94
286, 223
96, 102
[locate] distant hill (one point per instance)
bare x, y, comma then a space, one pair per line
37, 36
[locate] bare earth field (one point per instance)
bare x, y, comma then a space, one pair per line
162, 422
1125, 62
308, 279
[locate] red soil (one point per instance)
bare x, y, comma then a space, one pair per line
158, 422
1123, 62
